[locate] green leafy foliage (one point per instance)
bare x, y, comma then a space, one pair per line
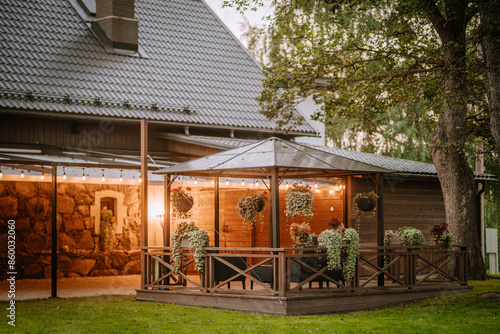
410, 236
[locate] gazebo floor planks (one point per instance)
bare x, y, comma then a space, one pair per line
303, 303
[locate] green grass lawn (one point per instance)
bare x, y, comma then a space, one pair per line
466, 313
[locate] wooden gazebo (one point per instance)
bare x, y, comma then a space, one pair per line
428, 272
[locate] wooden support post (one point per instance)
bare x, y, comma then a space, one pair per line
216, 213
54, 231
144, 199
347, 201
166, 216
275, 208
282, 275
380, 224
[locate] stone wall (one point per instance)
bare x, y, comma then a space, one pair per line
79, 253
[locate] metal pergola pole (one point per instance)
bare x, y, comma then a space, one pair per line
54, 232
144, 198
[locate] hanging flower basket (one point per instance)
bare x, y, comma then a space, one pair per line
250, 209
182, 203
342, 247
189, 235
299, 201
366, 201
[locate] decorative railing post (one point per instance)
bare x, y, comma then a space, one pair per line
283, 273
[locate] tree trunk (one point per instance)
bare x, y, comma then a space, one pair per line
490, 27
448, 143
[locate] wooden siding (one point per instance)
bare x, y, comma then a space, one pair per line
407, 202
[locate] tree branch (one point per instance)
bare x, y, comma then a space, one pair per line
402, 54
436, 17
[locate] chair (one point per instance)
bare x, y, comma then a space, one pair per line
223, 272
300, 273
263, 273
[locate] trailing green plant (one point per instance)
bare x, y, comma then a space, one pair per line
299, 201
442, 236
337, 242
410, 236
107, 229
196, 240
356, 213
250, 208
388, 234
182, 202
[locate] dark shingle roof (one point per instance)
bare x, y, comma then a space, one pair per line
189, 58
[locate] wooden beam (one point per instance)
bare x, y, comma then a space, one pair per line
54, 231
166, 216
274, 236
216, 212
380, 223
144, 197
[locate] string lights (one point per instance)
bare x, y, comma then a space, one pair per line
83, 174
227, 182
43, 176
64, 173
195, 181
22, 174
103, 178
1, 174
121, 175
287, 185
242, 183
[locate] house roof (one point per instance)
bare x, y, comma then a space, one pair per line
293, 155
190, 68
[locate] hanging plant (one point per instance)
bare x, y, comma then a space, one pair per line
357, 213
182, 203
107, 228
410, 236
301, 234
198, 240
250, 208
366, 201
299, 201
341, 242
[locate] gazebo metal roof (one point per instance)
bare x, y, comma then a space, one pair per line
258, 159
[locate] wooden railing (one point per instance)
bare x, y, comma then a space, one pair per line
283, 271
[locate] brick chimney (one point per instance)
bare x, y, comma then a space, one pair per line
116, 19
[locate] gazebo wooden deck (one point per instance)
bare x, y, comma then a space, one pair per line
410, 273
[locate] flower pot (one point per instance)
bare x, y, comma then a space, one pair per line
366, 203
260, 205
183, 204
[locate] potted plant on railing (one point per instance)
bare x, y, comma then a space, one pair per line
442, 236
342, 248
250, 208
410, 236
366, 201
198, 240
182, 203
301, 234
299, 201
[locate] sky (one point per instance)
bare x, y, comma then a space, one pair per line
232, 19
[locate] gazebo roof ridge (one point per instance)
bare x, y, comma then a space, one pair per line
256, 159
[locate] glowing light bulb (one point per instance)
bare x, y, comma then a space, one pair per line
103, 178
22, 174
64, 176
287, 185
1, 174
140, 179
212, 182
257, 183
121, 176
195, 181
227, 182
316, 185
83, 177
43, 176
242, 182
331, 191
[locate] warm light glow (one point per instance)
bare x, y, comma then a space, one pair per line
121, 176
242, 182
287, 185
64, 176
195, 181
316, 185
227, 182
43, 176
212, 182
1, 174
22, 174
83, 177
336, 188
331, 191
140, 179
257, 183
